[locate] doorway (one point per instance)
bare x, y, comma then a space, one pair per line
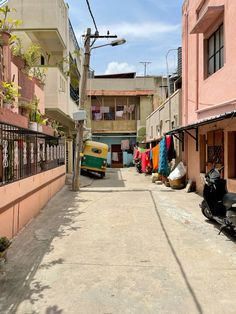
116, 156
215, 149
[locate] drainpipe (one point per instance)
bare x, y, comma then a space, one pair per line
186, 81
186, 69
197, 73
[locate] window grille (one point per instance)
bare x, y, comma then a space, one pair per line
216, 50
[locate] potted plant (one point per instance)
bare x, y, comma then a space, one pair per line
7, 24
58, 129
9, 92
33, 113
35, 116
15, 44
4, 245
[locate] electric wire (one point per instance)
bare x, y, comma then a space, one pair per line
91, 13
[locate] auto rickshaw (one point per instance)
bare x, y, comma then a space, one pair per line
94, 157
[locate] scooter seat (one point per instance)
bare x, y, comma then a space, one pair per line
229, 200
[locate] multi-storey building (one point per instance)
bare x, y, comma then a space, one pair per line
118, 106
32, 163
168, 115
209, 94
47, 24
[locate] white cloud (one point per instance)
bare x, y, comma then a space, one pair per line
116, 67
140, 30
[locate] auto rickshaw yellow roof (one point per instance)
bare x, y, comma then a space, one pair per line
96, 144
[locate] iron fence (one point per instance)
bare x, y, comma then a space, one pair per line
24, 153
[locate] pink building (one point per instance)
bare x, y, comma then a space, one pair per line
208, 132
32, 162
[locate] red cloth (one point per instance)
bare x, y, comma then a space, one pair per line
144, 162
145, 158
168, 142
148, 157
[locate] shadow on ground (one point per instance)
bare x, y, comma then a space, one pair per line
113, 178
229, 234
17, 283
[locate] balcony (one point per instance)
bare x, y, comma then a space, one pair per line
114, 126
44, 21
57, 96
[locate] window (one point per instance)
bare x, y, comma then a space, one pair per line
42, 61
62, 85
114, 108
216, 50
151, 131
96, 150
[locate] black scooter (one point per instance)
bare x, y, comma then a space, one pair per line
218, 204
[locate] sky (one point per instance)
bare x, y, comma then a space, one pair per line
150, 27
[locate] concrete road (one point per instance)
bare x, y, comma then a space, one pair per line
121, 245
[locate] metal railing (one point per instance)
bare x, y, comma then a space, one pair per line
74, 94
24, 153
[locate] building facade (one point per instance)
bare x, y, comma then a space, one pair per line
47, 24
209, 94
118, 106
32, 162
166, 117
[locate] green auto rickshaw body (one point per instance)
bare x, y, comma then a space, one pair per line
94, 157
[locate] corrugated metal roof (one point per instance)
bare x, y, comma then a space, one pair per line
226, 115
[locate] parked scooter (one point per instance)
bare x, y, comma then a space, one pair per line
218, 204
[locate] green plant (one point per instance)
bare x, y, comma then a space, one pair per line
34, 113
32, 55
16, 45
58, 129
8, 24
38, 73
141, 135
9, 92
4, 243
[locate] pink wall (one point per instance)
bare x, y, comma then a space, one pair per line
207, 96
16, 208
30, 87
39, 92
219, 88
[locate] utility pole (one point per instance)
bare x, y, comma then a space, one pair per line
80, 124
83, 97
145, 63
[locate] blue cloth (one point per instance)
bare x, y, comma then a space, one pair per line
163, 167
150, 154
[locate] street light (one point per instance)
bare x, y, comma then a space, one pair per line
113, 43
168, 84
82, 99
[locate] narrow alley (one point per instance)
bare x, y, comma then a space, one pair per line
120, 245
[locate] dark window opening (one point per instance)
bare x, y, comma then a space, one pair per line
42, 60
216, 50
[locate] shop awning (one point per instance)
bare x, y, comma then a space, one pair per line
208, 18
